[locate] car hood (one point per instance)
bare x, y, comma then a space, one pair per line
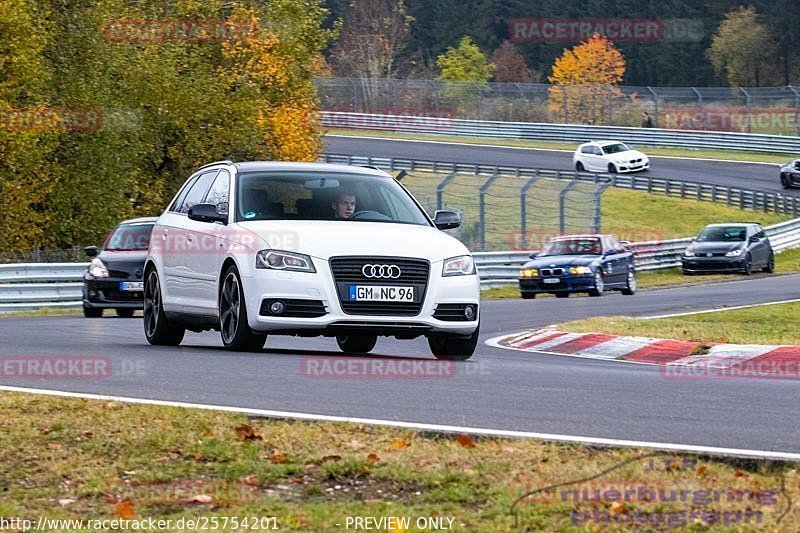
326, 239
714, 247
130, 262
627, 155
562, 261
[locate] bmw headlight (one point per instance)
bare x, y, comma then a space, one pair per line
528, 273
462, 265
688, 253
280, 260
579, 270
97, 269
735, 253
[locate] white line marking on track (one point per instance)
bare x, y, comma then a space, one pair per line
691, 448
479, 145
719, 310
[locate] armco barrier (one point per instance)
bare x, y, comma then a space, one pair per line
573, 133
31, 286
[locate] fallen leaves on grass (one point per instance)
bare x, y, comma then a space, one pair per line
400, 444
125, 509
246, 432
277, 457
465, 441
373, 457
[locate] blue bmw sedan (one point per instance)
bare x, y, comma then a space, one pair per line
579, 263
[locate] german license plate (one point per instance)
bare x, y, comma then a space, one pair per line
131, 286
551, 280
380, 293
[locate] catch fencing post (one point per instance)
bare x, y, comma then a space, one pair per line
440, 188
597, 215
561, 207
523, 208
482, 206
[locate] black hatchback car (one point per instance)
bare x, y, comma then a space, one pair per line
579, 263
736, 247
790, 174
114, 277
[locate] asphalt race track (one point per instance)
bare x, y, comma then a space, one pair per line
754, 176
497, 389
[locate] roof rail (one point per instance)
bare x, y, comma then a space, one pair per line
223, 162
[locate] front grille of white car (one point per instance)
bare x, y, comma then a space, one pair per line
349, 271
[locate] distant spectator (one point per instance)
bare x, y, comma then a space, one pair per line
647, 122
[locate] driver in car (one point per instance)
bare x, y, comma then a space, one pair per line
344, 205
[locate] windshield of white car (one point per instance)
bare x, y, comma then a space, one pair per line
723, 234
577, 246
615, 148
273, 195
129, 238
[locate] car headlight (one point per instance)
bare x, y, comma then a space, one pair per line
735, 253
280, 260
97, 269
462, 265
688, 253
528, 273
580, 270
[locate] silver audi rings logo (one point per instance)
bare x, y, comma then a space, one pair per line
381, 271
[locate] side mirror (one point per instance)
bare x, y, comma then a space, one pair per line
534, 255
754, 238
91, 251
446, 219
625, 243
206, 213
797, 165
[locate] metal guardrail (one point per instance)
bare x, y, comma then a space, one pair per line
59, 285
705, 192
573, 133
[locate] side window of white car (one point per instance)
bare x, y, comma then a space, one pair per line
198, 191
219, 192
596, 150
587, 150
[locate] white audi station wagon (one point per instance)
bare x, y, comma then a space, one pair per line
308, 249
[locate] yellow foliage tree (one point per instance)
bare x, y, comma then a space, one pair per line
585, 79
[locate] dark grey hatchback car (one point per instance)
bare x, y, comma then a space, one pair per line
736, 247
790, 174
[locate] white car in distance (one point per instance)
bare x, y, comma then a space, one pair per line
609, 156
308, 249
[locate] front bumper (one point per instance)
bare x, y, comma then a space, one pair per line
261, 284
631, 167
105, 293
570, 283
713, 264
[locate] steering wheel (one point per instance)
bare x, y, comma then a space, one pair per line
369, 215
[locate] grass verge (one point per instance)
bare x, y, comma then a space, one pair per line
91, 459
768, 324
786, 262
758, 157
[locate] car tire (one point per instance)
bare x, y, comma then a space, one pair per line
599, 284
562, 295
124, 312
770, 266
528, 295
748, 265
579, 167
233, 326
358, 344
785, 181
92, 312
158, 330
452, 347
630, 284
612, 169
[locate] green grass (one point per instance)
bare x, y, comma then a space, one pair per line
769, 324
759, 157
88, 459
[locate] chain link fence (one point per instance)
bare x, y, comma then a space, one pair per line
67, 255
770, 110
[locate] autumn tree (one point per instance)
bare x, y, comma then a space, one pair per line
465, 71
742, 48
509, 65
584, 81
374, 32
